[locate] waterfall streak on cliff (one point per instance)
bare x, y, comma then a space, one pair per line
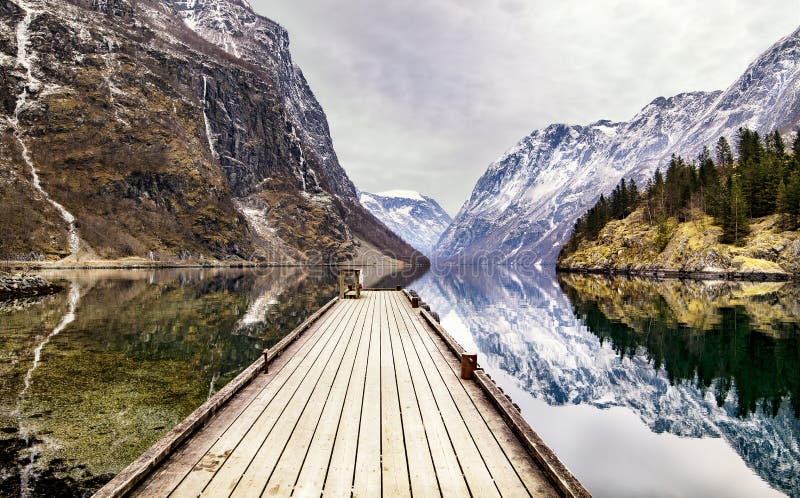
209, 134
23, 59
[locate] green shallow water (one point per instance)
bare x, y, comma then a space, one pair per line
126, 355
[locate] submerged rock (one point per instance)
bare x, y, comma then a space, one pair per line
15, 285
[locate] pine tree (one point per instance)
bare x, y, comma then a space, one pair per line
793, 200
749, 146
736, 222
764, 180
783, 206
724, 153
623, 199
708, 178
776, 144
633, 195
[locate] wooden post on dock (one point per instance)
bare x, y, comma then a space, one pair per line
349, 283
414, 302
469, 362
328, 361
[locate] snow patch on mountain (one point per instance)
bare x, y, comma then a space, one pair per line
401, 194
417, 219
524, 206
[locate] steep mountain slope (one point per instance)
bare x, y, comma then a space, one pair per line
416, 218
167, 130
523, 207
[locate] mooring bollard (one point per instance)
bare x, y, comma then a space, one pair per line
266, 361
469, 362
398, 288
414, 302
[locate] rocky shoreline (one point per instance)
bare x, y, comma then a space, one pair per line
16, 285
691, 250
684, 274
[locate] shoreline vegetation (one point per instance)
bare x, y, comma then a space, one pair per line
142, 263
631, 247
725, 219
136, 265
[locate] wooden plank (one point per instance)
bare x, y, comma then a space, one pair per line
134, 473
368, 402
242, 440
560, 477
278, 348
341, 472
180, 463
503, 472
367, 479
445, 461
321, 415
394, 462
337, 419
473, 466
534, 480
422, 473
250, 479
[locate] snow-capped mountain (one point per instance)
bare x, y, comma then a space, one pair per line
416, 218
167, 129
522, 325
522, 209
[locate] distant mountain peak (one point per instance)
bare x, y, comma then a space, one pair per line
402, 194
417, 219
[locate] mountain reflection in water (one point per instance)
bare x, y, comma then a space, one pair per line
641, 387
91, 377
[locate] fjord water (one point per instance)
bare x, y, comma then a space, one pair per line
622, 378
641, 387
92, 376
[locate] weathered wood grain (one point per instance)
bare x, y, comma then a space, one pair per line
363, 399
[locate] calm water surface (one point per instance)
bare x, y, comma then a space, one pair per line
642, 388
92, 376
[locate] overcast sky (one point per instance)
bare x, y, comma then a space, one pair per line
424, 94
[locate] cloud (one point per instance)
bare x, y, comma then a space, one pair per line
424, 95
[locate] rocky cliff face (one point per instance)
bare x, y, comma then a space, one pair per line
416, 218
523, 208
167, 129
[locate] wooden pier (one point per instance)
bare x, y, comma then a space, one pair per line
365, 398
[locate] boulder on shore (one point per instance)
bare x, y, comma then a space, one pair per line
14, 285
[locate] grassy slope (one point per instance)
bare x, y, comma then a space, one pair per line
631, 245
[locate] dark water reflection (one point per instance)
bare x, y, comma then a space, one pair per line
91, 377
643, 388
739, 340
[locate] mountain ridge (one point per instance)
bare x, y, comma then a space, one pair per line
416, 218
523, 207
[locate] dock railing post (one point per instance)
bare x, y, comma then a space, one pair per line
469, 363
266, 361
414, 302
